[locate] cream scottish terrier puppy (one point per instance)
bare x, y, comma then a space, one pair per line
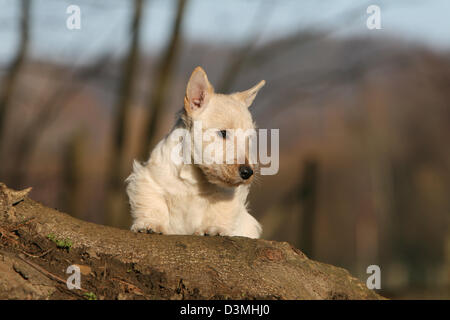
198, 195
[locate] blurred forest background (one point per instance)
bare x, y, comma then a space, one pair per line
364, 116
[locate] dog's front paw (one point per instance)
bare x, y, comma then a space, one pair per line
149, 231
212, 231
147, 227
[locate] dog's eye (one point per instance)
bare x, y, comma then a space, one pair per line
223, 133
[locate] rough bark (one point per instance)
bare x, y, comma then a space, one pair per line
37, 244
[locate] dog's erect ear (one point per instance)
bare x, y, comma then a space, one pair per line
249, 95
198, 91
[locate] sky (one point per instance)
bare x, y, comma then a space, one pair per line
104, 24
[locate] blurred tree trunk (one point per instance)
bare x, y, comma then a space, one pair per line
10, 79
116, 201
308, 198
73, 174
377, 135
162, 82
47, 114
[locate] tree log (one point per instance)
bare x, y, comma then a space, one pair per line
38, 244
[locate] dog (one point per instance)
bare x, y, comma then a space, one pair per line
197, 197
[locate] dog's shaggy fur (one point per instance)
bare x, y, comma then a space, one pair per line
200, 199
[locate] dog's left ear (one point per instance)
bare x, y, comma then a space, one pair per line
249, 95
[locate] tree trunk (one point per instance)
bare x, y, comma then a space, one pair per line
10, 80
38, 244
115, 195
162, 82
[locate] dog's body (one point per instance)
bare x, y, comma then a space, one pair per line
185, 198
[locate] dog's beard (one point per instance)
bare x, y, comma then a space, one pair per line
224, 175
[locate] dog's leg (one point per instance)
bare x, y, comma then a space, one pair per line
153, 218
248, 226
148, 207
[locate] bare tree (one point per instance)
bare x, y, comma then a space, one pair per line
247, 57
48, 113
115, 176
239, 58
308, 201
72, 176
163, 79
10, 79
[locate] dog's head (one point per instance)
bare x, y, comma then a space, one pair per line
226, 128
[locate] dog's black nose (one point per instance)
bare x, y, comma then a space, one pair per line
245, 172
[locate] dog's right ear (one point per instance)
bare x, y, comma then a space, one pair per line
198, 91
